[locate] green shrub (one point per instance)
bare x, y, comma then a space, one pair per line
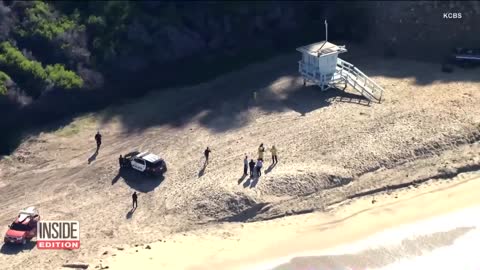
41, 21
11, 58
32, 75
63, 78
3, 79
96, 20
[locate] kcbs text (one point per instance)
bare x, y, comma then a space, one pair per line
452, 15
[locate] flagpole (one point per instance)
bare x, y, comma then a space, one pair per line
326, 31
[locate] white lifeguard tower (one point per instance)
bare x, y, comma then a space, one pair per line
321, 65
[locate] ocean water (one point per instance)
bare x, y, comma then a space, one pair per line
449, 242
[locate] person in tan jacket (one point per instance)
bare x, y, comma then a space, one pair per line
273, 150
261, 151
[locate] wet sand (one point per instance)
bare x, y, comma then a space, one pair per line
421, 245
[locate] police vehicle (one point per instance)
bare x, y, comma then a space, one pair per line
145, 162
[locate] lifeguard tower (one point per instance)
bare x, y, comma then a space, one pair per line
321, 65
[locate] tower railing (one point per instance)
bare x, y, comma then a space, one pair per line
358, 80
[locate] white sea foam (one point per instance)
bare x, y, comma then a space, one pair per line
462, 254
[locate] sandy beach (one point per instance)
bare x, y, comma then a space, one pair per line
335, 152
261, 245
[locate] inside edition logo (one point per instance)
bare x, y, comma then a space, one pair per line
58, 235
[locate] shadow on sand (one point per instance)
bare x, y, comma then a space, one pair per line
11, 249
254, 182
93, 157
310, 98
251, 182
130, 213
270, 168
248, 182
137, 180
202, 170
248, 213
241, 179
223, 106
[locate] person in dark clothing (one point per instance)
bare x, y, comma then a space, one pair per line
207, 154
245, 166
121, 161
98, 139
252, 167
134, 200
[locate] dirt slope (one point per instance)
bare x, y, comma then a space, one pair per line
331, 146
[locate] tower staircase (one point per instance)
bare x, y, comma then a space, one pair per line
349, 74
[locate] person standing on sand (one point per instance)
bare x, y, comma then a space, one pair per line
274, 154
98, 139
261, 151
206, 153
259, 167
134, 200
121, 161
252, 167
245, 165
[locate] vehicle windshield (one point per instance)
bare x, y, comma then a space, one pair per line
132, 154
19, 227
156, 164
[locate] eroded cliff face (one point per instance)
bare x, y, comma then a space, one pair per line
414, 29
418, 29
211, 29
206, 29
199, 35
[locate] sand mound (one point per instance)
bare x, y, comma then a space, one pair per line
305, 181
221, 205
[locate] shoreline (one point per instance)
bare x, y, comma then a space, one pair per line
251, 245
458, 223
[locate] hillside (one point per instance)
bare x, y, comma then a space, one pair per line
332, 147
